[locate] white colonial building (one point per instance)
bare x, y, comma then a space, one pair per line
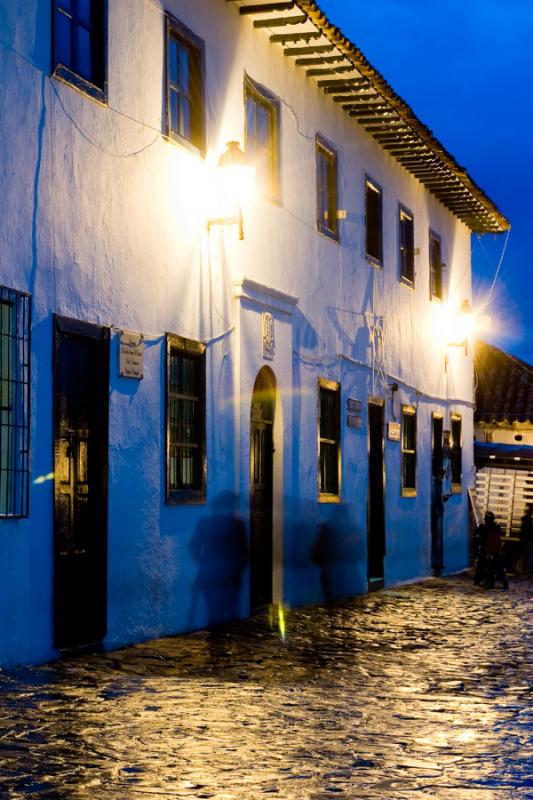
214, 401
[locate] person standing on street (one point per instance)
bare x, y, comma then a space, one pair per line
526, 538
490, 560
437, 517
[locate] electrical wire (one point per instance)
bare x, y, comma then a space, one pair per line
498, 268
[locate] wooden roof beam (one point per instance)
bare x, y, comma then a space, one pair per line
313, 61
390, 127
303, 51
304, 36
261, 8
279, 22
426, 155
373, 119
454, 197
393, 138
357, 110
315, 73
362, 96
343, 84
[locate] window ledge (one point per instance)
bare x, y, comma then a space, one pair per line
175, 139
407, 283
408, 492
329, 498
81, 85
456, 488
180, 498
374, 262
329, 234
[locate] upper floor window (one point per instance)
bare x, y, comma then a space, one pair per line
327, 192
329, 439
79, 44
435, 266
456, 452
261, 142
185, 86
185, 420
408, 451
374, 221
14, 402
407, 250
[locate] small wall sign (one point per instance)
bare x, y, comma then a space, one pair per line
131, 355
267, 326
394, 431
354, 413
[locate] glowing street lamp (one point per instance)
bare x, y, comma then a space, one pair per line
235, 178
463, 326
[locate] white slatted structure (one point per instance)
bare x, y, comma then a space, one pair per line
506, 492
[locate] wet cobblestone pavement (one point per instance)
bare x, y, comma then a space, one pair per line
423, 691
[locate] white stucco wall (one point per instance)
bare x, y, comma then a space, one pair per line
106, 221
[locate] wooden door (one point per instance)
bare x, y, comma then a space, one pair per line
261, 494
81, 388
376, 498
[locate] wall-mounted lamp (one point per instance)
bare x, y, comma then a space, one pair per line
464, 324
235, 177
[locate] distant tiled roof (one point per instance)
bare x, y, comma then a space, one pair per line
504, 388
340, 69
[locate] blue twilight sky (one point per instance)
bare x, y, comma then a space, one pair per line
466, 69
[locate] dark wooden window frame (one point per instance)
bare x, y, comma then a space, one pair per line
409, 449
436, 271
15, 348
195, 47
96, 86
263, 97
372, 186
196, 494
324, 150
456, 453
406, 248
329, 494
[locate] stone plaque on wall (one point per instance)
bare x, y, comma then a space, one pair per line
131, 355
394, 430
268, 334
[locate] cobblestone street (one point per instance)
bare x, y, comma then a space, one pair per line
424, 691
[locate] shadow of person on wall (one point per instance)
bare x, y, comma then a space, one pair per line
220, 549
334, 551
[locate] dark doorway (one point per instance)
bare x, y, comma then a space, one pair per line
437, 450
261, 488
376, 500
81, 400
437, 518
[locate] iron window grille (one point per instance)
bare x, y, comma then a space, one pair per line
262, 136
329, 436
185, 86
408, 451
435, 266
407, 249
456, 452
15, 325
374, 222
185, 413
79, 44
327, 191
